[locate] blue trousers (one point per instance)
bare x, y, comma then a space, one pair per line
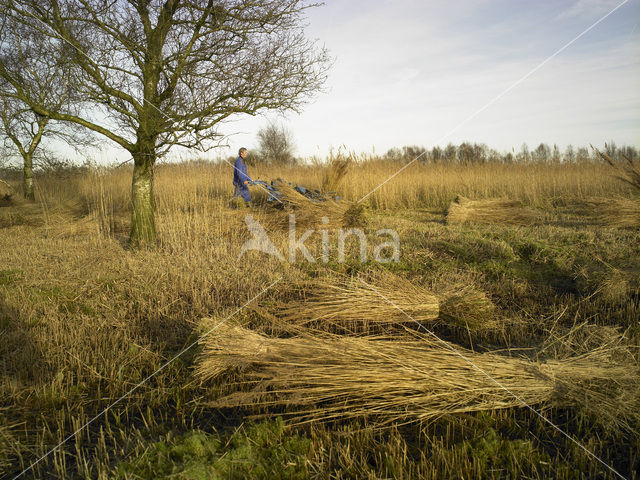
242, 191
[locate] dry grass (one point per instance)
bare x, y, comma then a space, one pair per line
377, 298
467, 307
83, 319
491, 211
325, 214
6, 193
629, 170
334, 173
610, 212
395, 379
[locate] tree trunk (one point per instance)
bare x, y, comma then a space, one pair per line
143, 228
27, 178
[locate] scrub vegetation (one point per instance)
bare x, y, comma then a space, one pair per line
549, 303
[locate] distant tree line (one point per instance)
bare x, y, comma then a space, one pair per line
478, 153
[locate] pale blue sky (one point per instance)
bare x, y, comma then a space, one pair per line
410, 71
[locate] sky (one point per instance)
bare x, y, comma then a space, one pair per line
416, 72
431, 72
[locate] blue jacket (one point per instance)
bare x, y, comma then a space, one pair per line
240, 174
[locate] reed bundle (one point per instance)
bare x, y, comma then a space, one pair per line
336, 214
465, 306
403, 379
381, 297
347, 301
491, 211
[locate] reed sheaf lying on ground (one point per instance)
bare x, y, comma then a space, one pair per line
320, 378
491, 211
609, 212
381, 297
340, 214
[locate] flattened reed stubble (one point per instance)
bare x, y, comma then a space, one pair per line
491, 211
6, 193
320, 378
610, 212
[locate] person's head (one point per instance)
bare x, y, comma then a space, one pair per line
242, 152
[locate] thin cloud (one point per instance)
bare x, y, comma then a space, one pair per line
588, 8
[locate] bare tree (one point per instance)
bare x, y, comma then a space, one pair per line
542, 153
275, 144
23, 132
41, 74
569, 154
159, 73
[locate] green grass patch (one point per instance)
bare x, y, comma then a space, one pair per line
9, 277
262, 451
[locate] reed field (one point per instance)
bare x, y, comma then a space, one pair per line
502, 343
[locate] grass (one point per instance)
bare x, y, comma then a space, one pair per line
498, 211
83, 320
262, 451
395, 378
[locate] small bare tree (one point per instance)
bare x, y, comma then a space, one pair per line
275, 145
43, 76
159, 73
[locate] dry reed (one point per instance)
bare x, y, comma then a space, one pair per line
611, 212
323, 214
491, 211
6, 193
334, 173
465, 306
379, 298
629, 170
18, 212
354, 301
404, 379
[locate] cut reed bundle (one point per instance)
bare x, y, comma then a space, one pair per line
336, 214
465, 306
381, 297
491, 211
401, 378
344, 301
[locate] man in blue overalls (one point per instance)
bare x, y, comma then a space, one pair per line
241, 178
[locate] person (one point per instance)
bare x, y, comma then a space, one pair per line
241, 178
